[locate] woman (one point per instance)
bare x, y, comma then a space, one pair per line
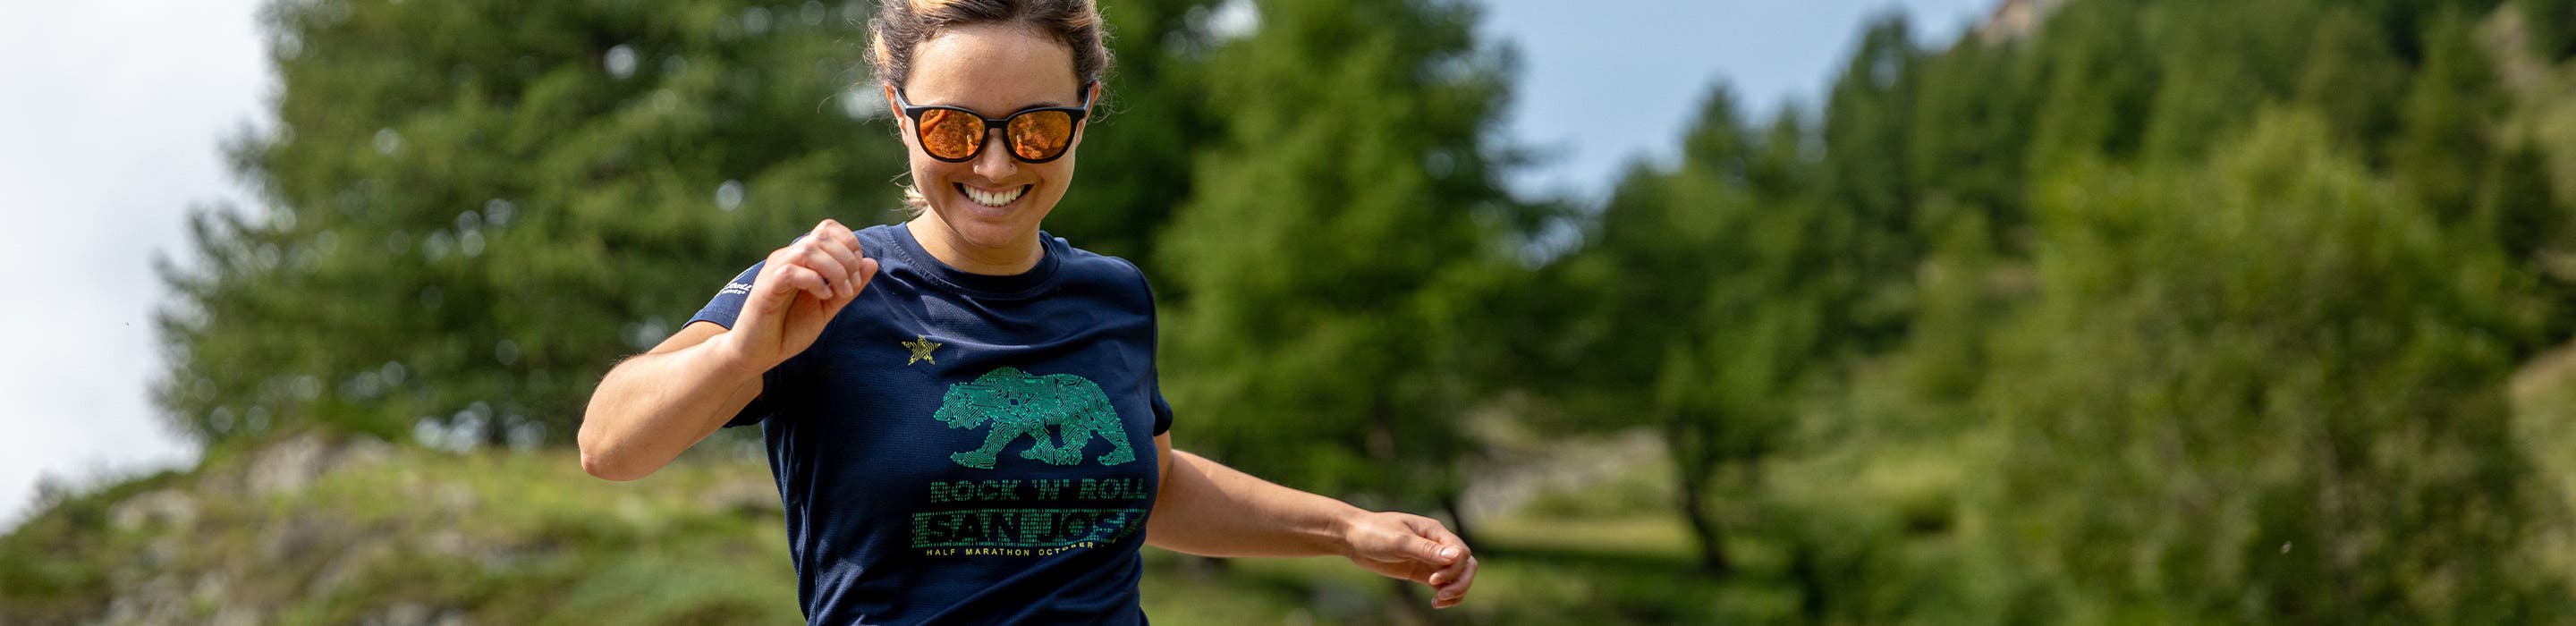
962, 413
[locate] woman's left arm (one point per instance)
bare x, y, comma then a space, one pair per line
1208, 509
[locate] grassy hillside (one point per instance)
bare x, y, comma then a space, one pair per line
311, 529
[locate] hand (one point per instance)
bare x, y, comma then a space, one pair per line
799, 290
1416, 548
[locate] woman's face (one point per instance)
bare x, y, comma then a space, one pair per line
993, 70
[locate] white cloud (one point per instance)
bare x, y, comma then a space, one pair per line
110, 133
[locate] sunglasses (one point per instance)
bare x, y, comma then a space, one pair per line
956, 135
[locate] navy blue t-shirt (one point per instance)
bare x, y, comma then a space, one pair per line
968, 448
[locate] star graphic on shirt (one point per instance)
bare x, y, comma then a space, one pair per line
921, 347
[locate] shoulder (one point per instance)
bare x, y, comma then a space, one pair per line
876, 235
1094, 270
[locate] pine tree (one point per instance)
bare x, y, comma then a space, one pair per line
1723, 294
2447, 139
1351, 197
1970, 126
2097, 76
468, 210
2355, 79
1865, 177
2229, 58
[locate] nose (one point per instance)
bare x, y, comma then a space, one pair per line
995, 161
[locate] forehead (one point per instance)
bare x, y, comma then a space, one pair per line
992, 69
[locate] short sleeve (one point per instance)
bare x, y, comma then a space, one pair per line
1153, 351
1162, 409
723, 309
727, 304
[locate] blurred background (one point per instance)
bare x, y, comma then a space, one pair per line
1857, 312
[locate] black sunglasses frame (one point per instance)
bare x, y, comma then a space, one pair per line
1081, 113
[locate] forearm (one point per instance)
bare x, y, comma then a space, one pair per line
653, 406
1208, 509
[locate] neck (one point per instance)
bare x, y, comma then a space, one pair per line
1018, 256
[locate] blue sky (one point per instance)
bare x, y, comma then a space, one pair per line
117, 110
1653, 61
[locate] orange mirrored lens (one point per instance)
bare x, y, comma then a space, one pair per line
949, 134
1040, 135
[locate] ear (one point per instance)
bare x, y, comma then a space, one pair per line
1092, 101
892, 109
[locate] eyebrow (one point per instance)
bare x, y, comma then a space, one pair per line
980, 112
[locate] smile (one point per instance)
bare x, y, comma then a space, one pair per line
992, 198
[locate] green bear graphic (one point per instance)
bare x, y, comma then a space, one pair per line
1021, 404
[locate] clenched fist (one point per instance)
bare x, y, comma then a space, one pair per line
798, 291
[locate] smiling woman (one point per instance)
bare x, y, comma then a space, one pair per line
963, 413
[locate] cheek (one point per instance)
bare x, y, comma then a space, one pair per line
929, 172
1058, 174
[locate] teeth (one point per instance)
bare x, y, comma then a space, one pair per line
988, 198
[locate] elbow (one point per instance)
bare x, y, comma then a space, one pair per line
601, 466
598, 460
613, 467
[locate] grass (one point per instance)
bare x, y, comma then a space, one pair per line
527, 538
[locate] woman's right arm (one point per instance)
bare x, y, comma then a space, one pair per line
653, 406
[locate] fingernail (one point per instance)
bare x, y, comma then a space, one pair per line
1449, 553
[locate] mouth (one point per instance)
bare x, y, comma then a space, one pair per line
995, 199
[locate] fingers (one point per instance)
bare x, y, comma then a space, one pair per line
832, 239
793, 278
832, 230
1451, 547
1456, 563
832, 253
826, 260
1421, 550
1455, 590
867, 271
1449, 573
1451, 554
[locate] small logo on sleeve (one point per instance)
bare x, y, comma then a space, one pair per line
735, 288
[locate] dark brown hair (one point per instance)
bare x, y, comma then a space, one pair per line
901, 25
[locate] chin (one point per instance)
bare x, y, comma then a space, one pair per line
983, 235
990, 227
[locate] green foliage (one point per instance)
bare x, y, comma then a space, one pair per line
1864, 178
2269, 391
2096, 84
2550, 26
2355, 80
465, 230
2224, 59
2044, 327
1756, 297
1349, 204
1972, 108
2449, 122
